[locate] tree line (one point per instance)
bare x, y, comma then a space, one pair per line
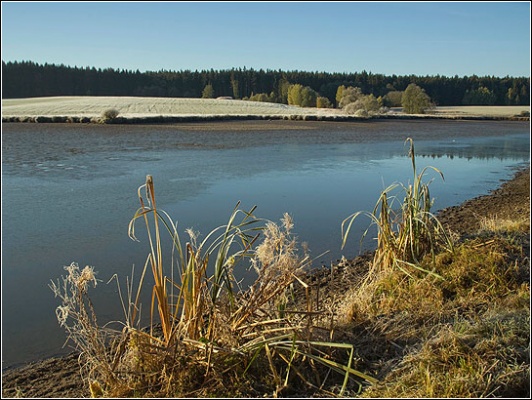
29, 79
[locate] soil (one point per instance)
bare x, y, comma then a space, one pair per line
509, 200
60, 377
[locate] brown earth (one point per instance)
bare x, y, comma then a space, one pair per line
508, 201
60, 377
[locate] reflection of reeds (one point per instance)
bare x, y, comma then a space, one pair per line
408, 233
213, 335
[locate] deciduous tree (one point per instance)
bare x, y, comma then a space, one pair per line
304, 96
323, 102
349, 95
480, 96
208, 92
415, 100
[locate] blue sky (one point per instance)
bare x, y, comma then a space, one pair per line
402, 38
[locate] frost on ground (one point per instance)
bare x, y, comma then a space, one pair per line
146, 106
139, 107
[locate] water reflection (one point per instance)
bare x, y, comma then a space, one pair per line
509, 147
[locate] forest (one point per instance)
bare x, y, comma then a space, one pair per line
29, 79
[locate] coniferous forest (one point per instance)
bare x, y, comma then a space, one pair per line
29, 79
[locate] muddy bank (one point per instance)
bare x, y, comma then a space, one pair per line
54, 377
161, 119
510, 200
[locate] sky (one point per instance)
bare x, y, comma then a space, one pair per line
390, 38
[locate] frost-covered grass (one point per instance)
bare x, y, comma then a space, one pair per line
144, 106
141, 107
473, 111
495, 111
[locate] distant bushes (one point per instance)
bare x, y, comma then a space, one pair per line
323, 102
393, 98
110, 114
298, 95
263, 97
353, 101
303, 96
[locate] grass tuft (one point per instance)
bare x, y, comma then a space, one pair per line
440, 319
207, 335
408, 232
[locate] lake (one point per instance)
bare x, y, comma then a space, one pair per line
70, 190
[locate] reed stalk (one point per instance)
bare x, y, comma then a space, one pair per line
410, 231
210, 324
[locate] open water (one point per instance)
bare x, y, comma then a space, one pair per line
69, 192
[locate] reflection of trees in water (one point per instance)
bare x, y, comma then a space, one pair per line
453, 155
505, 150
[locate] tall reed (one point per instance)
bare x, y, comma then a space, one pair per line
410, 231
189, 299
221, 332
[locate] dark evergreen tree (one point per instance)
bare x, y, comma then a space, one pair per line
28, 79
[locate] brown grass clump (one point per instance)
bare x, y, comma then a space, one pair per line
496, 224
446, 321
208, 337
466, 335
407, 232
482, 358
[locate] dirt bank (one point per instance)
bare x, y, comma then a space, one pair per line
59, 377
511, 199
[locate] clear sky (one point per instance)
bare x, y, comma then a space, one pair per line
401, 38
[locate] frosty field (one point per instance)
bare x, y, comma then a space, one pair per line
145, 106
138, 107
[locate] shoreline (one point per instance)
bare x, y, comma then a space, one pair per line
59, 376
173, 119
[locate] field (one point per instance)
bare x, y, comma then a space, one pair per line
129, 107
139, 107
495, 111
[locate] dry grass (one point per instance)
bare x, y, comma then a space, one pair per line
214, 339
462, 330
466, 335
496, 224
407, 232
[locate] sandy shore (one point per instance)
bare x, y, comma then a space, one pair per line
59, 377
